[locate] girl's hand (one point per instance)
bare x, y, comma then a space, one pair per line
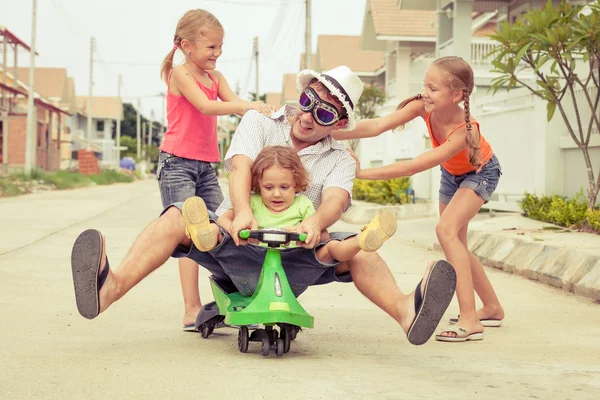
261, 107
357, 162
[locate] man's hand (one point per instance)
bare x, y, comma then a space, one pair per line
241, 221
312, 227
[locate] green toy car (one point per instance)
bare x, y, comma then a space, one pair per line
272, 304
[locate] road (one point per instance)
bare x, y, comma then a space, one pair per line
548, 347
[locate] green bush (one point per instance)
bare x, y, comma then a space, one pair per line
561, 211
392, 191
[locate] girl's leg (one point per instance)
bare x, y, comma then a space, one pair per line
491, 305
462, 208
482, 285
188, 275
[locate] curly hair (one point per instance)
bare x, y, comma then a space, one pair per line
284, 157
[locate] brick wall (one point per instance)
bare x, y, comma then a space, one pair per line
17, 129
88, 164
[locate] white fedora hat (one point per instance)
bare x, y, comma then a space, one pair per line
341, 82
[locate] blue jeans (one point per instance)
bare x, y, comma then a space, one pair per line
242, 264
483, 183
181, 178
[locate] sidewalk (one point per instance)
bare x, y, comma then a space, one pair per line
540, 251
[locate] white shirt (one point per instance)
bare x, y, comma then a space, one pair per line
327, 161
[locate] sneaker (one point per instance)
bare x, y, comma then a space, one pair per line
380, 229
197, 224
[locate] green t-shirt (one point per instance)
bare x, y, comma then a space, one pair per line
300, 209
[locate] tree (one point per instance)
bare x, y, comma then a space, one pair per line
551, 42
372, 97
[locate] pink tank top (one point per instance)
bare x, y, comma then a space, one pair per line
191, 134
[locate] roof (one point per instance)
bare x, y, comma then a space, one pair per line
390, 20
102, 107
11, 38
352, 56
274, 99
48, 82
290, 92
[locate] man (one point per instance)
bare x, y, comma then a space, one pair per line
327, 103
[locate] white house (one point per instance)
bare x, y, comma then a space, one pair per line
105, 113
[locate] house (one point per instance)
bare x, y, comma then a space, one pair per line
46, 144
274, 99
58, 88
105, 112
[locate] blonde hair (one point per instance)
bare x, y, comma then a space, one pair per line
284, 157
459, 77
192, 25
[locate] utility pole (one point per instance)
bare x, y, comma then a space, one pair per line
138, 135
119, 121
256, 62
89, 102
31, 112
163, 128
143, 154
150, 125
308, 51
5, 105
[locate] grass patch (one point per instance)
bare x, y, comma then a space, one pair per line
18, 183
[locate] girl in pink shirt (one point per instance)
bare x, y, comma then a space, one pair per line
190, 143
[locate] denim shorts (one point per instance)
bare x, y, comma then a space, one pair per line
483, 183
181, 178
242, 264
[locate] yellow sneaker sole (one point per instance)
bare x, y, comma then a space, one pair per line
380, 229
197, 224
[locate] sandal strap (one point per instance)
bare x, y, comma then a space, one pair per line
103, 275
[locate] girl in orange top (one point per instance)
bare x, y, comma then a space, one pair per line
190, 142
470, 173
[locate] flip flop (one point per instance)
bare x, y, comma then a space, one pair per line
488, 322
85, 263
431, 304
190, 328
462, 335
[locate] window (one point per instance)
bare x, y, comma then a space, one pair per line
100, 126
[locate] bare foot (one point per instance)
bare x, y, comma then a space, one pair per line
189, 317
491, 313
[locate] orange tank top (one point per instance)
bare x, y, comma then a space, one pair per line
459, 164
191, 134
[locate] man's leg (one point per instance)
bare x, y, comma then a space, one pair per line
419, 312
149, 251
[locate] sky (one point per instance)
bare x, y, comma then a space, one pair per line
134, 36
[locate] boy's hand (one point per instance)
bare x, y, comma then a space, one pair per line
241, 221
312, 227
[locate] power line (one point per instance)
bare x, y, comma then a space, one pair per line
253, 3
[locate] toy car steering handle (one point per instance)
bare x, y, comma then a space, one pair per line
259, 234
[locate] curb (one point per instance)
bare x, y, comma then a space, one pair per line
362, 213
571, 270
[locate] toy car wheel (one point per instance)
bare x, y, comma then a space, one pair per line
293, 333
206, 331
243, 339
280, 347
275, 335
266, 346
287, 339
